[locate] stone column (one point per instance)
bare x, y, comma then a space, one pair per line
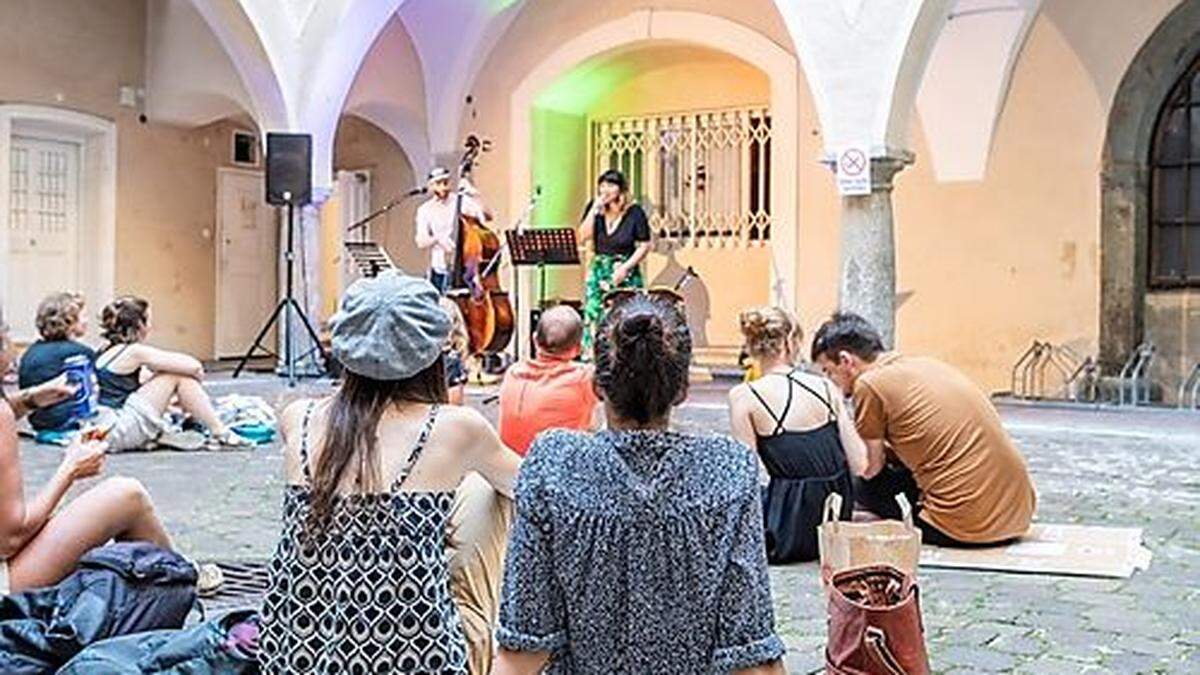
868, 279
1124, 210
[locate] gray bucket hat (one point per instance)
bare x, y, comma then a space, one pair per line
389, 327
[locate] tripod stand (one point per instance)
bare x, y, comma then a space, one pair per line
285, 308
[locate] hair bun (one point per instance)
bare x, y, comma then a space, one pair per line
640, 325
769, 331
759, 324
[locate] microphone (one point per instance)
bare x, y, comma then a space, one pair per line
417, 191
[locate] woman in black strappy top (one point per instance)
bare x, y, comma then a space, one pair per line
801, 430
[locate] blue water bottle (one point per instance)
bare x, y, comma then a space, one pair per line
80, 372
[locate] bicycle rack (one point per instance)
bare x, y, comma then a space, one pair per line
1027, 367
1133, 376
1075, 373
1086, 374
1058, 358
1189, 389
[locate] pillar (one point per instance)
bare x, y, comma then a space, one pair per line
868, 250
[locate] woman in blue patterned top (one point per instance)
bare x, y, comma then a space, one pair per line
638, 549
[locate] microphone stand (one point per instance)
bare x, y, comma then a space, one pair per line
362, 224
519, 226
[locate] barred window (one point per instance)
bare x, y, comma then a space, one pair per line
701, 176
1175, 188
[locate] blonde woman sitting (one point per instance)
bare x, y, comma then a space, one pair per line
797, 423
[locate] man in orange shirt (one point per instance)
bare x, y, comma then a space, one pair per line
930, 433
551, 390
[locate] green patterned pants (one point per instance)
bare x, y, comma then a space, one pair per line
599, 283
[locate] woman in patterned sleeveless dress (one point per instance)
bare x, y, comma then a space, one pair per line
359, 582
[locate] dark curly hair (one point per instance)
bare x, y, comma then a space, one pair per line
58, 314
847, 331
123, 319
643, 351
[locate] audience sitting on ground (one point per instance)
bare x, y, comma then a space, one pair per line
550, 390
139, 382
803, 435
61, 321
931, 434
456, 352
39, 547
638, 549
372, 473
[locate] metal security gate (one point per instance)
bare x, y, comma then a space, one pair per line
704, 177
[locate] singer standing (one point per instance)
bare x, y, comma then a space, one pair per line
436, 229
620, 236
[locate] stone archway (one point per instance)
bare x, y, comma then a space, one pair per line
720, 34
1125, 178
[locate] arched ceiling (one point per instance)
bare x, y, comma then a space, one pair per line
966, 83
579, 90
409, 65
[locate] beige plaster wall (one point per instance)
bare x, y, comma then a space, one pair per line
986, 267
76, 54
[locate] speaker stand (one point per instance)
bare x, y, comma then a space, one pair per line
285, 308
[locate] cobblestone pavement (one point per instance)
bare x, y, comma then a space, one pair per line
1120, 468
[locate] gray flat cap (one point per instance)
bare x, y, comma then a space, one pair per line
389, 327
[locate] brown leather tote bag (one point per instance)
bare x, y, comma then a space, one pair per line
875, 623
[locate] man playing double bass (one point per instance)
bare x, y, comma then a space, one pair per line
436, 229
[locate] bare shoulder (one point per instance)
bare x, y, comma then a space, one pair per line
459, 419
291, 418
739, 392
811, 379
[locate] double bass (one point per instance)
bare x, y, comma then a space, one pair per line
475, 282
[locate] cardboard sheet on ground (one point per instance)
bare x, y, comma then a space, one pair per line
1075, 550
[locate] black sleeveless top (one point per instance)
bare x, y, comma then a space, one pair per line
115, 388
805, 467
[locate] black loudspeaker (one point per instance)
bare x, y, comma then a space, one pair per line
289, 169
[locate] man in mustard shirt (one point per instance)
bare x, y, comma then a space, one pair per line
931, 433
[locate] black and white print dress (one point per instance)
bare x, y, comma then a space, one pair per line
371, 594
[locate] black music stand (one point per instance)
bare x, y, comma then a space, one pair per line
542, 247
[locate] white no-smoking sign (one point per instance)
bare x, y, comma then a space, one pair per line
854, 172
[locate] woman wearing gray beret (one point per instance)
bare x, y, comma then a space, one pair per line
359, 579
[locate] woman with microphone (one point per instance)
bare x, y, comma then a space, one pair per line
620, 236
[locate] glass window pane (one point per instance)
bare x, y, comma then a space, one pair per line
1173, 144
1194, 193
1170, 193
1193, 252
1168, 243
1195, 133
